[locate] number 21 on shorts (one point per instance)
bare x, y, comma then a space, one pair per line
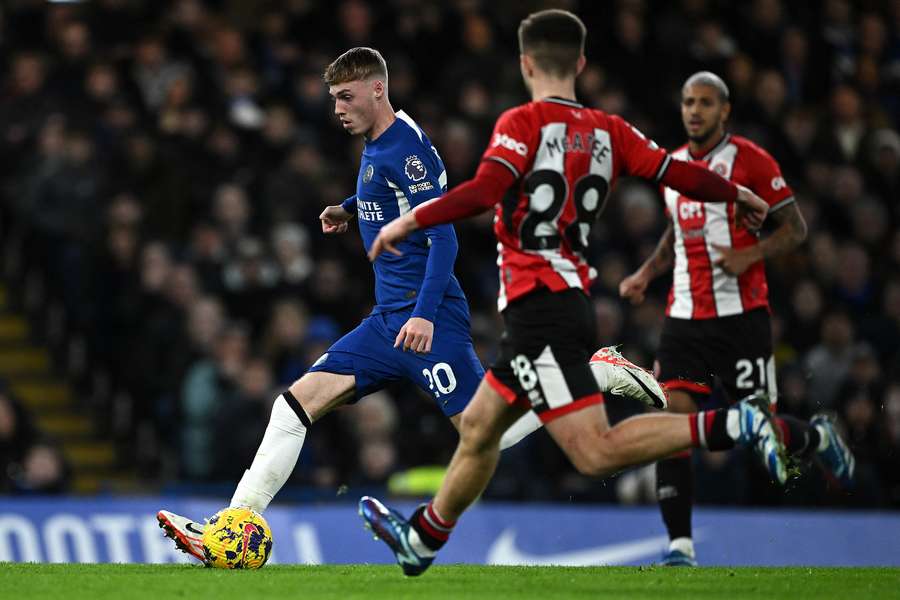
764, 378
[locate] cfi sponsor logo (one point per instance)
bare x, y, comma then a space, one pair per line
504, 141
414, 168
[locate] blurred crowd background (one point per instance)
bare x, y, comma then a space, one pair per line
163, 165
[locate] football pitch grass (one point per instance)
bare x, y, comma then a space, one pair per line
376, 582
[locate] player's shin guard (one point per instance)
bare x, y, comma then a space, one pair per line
675, 492
432, 530
277, 454
800, 439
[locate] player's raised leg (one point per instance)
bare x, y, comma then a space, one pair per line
293, 412
615, 375
644, 438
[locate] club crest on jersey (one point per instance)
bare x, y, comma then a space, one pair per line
414, 168
367, 176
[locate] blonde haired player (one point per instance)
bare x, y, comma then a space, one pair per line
419, 329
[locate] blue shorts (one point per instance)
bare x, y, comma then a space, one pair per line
450, 373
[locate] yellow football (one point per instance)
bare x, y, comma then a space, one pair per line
237, 538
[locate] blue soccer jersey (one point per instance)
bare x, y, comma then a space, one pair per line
400, 170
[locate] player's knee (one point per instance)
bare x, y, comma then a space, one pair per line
474, 431
319, 392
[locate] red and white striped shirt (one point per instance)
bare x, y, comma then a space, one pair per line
701, 289
565, 158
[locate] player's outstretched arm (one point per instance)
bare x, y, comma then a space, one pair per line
701, 184
644, 158
465, 200
635, 285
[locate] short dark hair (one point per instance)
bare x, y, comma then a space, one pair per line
554, 39
356, 64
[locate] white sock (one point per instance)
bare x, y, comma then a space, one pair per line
275, 459
528, 423
732, 425
683, 544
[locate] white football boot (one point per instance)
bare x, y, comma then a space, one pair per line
187, 534
621, 377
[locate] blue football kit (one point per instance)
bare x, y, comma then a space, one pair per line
399, 170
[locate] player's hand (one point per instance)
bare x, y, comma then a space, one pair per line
634, 286
751, 210
416, 335
735, 262
335, 219
390, 234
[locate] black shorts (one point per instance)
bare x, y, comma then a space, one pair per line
543, 363
735, 350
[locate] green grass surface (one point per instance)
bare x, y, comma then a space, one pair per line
136, 582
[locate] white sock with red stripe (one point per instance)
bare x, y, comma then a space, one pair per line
276, 457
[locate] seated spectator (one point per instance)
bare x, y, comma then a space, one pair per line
17, 435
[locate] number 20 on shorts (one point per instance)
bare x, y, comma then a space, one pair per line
441, 379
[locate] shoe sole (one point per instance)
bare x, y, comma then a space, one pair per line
180, 539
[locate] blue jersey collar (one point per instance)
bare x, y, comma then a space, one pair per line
387, 135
